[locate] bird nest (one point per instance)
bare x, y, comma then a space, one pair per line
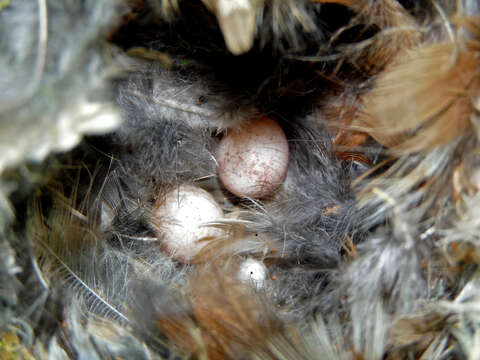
211, 179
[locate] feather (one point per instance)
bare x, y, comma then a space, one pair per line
237, 20
63, 244
87, 288
48, 68
219, 316
437, 84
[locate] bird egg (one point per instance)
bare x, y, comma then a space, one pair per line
253, 160
253, 272
180, 219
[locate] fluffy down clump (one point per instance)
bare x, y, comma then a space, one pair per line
367, 248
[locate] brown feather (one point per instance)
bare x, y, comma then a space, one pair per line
228, 317
437, 83
398, 30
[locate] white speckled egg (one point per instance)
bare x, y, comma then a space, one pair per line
253, 160
180, 217
253, 272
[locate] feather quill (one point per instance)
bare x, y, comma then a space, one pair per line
69, 252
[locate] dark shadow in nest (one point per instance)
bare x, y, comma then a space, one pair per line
274, 76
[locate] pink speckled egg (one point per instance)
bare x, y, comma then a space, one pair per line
253, 160
181, 220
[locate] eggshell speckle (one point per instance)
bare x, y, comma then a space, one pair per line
180, 217
253, 160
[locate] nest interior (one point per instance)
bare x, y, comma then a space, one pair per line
367, 248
